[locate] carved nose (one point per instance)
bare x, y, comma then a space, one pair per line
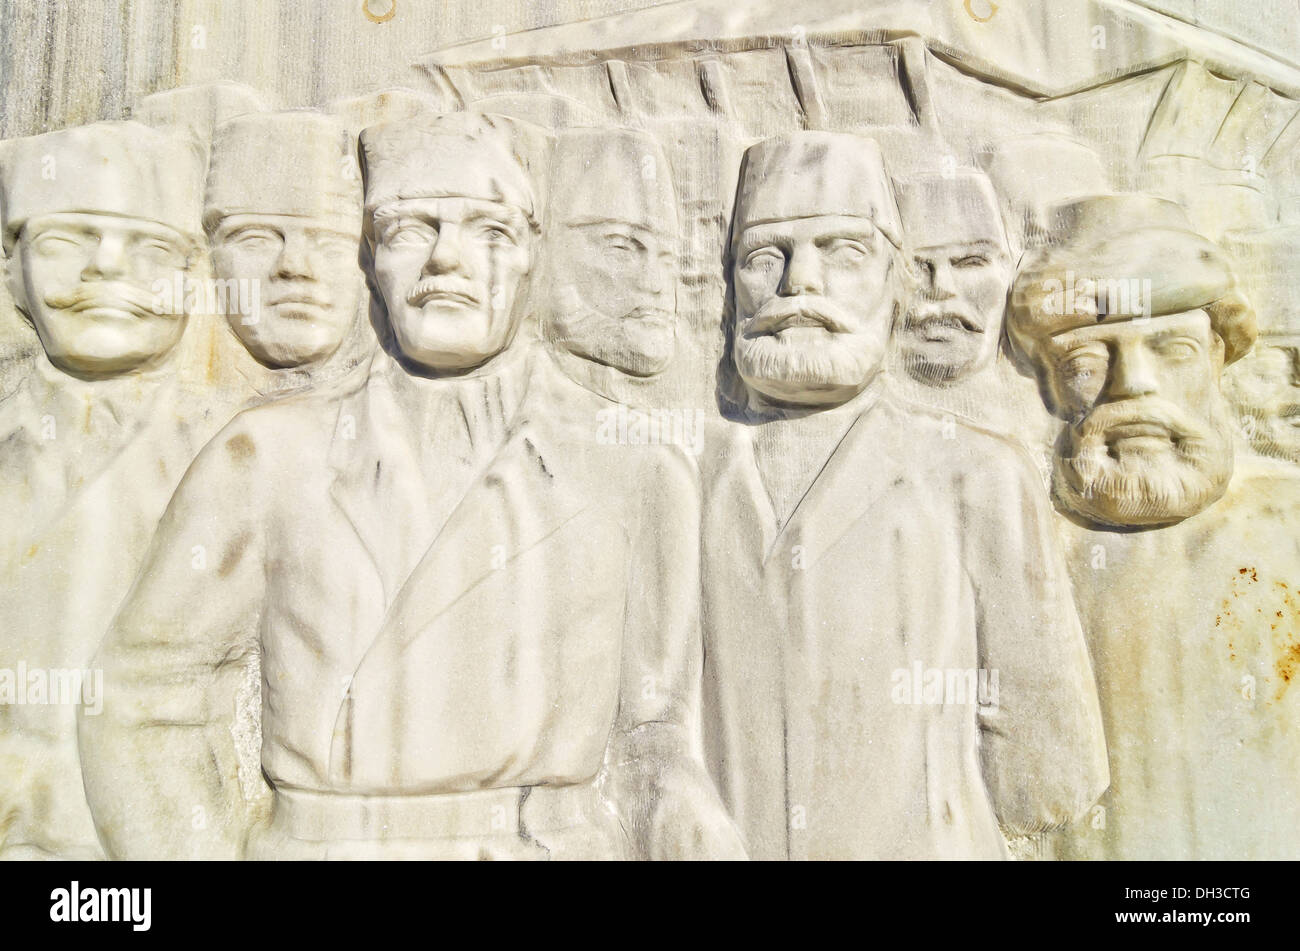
295, 259
1131, 374
802, 274
939, 283
108, 261
446, 254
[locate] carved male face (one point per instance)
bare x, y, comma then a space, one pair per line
615, 294
1264, 389
88, 283
449, 270
308, 284
815, 299
1150, 440
955, 319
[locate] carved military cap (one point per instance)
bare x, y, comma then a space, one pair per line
112, 168
283, 163
456, 155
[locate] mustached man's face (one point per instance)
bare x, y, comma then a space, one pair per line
1264, 390
308, 284
1149, 440
449, 271
614, 295
815, 302
88, 283
955, 319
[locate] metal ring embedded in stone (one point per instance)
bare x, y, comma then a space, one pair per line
379, 17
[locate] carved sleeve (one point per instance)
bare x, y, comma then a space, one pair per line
666, 801
161, 767
1043, 752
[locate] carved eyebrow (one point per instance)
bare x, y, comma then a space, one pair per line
501, 217
1172, 334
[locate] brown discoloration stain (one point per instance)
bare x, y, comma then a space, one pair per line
232, 555
31, 553
240, 447
1288, 664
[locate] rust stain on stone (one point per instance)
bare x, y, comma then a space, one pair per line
240, 447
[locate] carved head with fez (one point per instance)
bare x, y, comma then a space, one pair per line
962, 269
612, 250
283, 208
1128, 317
452, 217
96, 219
816, 269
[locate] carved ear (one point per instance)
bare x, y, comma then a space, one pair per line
15, 284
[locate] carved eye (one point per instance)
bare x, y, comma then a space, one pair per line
765, 259
622, 244
1178, 348
156, 251
498, 234
970, 260
253, 237
409, 232
56, 243
846, 250
1079, 366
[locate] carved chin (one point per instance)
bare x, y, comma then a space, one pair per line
637, 346
1147, 490
833, 362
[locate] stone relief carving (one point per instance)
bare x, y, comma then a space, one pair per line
665, 436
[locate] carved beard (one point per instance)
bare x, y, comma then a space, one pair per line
1277, 434
1148, 486
935, 364
639, 344
830, 355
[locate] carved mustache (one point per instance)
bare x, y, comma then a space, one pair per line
649, 315
436, 288
806, 310
90, 295
1139, 417
945, 316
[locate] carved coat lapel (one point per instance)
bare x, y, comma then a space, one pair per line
533, 493
378, 483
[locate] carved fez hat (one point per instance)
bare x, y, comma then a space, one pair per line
807, 174
283, 163
456, 155
1106, 241
950, 209
612, 175
111, 168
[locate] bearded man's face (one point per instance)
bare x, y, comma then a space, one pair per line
614, 295
955, 319
1149, 438
815, 302
1264, 390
